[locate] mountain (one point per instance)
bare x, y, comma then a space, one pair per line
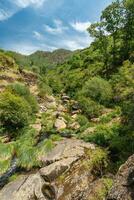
44, 59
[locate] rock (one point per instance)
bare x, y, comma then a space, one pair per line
74, 116
24, 188
65, 175
75, 126
52, 171
67, 148
76, 112
60, 108
65, 97
123, 188
43, 109
60, 124
95, 120
50, 102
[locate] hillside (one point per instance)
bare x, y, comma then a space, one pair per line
66, 118
41, 60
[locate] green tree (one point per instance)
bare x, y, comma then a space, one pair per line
113, 18
97, 31
128, 30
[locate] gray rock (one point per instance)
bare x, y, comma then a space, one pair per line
25, 188
123, 188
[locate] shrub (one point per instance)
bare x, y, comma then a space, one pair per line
56, 84
47, 122
26, 151
82, 120
6, 154
98, 90
23, 91
98, 161
14, 111
104, 135
89, 107
44, 87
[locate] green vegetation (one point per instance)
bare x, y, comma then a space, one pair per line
24, 92
14, 111
98, 161
99, 78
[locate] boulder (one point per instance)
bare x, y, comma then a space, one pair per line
60, 124
123, 188
24, 188
74, 126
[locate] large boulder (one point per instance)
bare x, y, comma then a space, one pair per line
123, 188
24, 188
66, 175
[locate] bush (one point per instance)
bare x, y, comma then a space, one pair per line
89, 107
55, 83
104, 135
82, 120
25, 148
98, 161
6, 154
23, 91
44, 87
14, 111
98, 90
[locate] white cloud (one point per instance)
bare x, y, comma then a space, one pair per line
37, 35
4, 14
58, 28
27, 48
80, 26
78, 42
26, 3
17, 5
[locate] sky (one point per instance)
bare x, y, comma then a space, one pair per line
30, 25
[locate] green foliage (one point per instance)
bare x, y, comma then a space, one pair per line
6, 154
23, 91
44, 88
25, 148
108, 117
123, 81
102, 188
6, 61
47, 122
82, 120
14, 111
98, 161
104, 135
89, 107
45, 147
98, 90
54, 82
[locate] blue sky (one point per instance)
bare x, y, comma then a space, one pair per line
30, 25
